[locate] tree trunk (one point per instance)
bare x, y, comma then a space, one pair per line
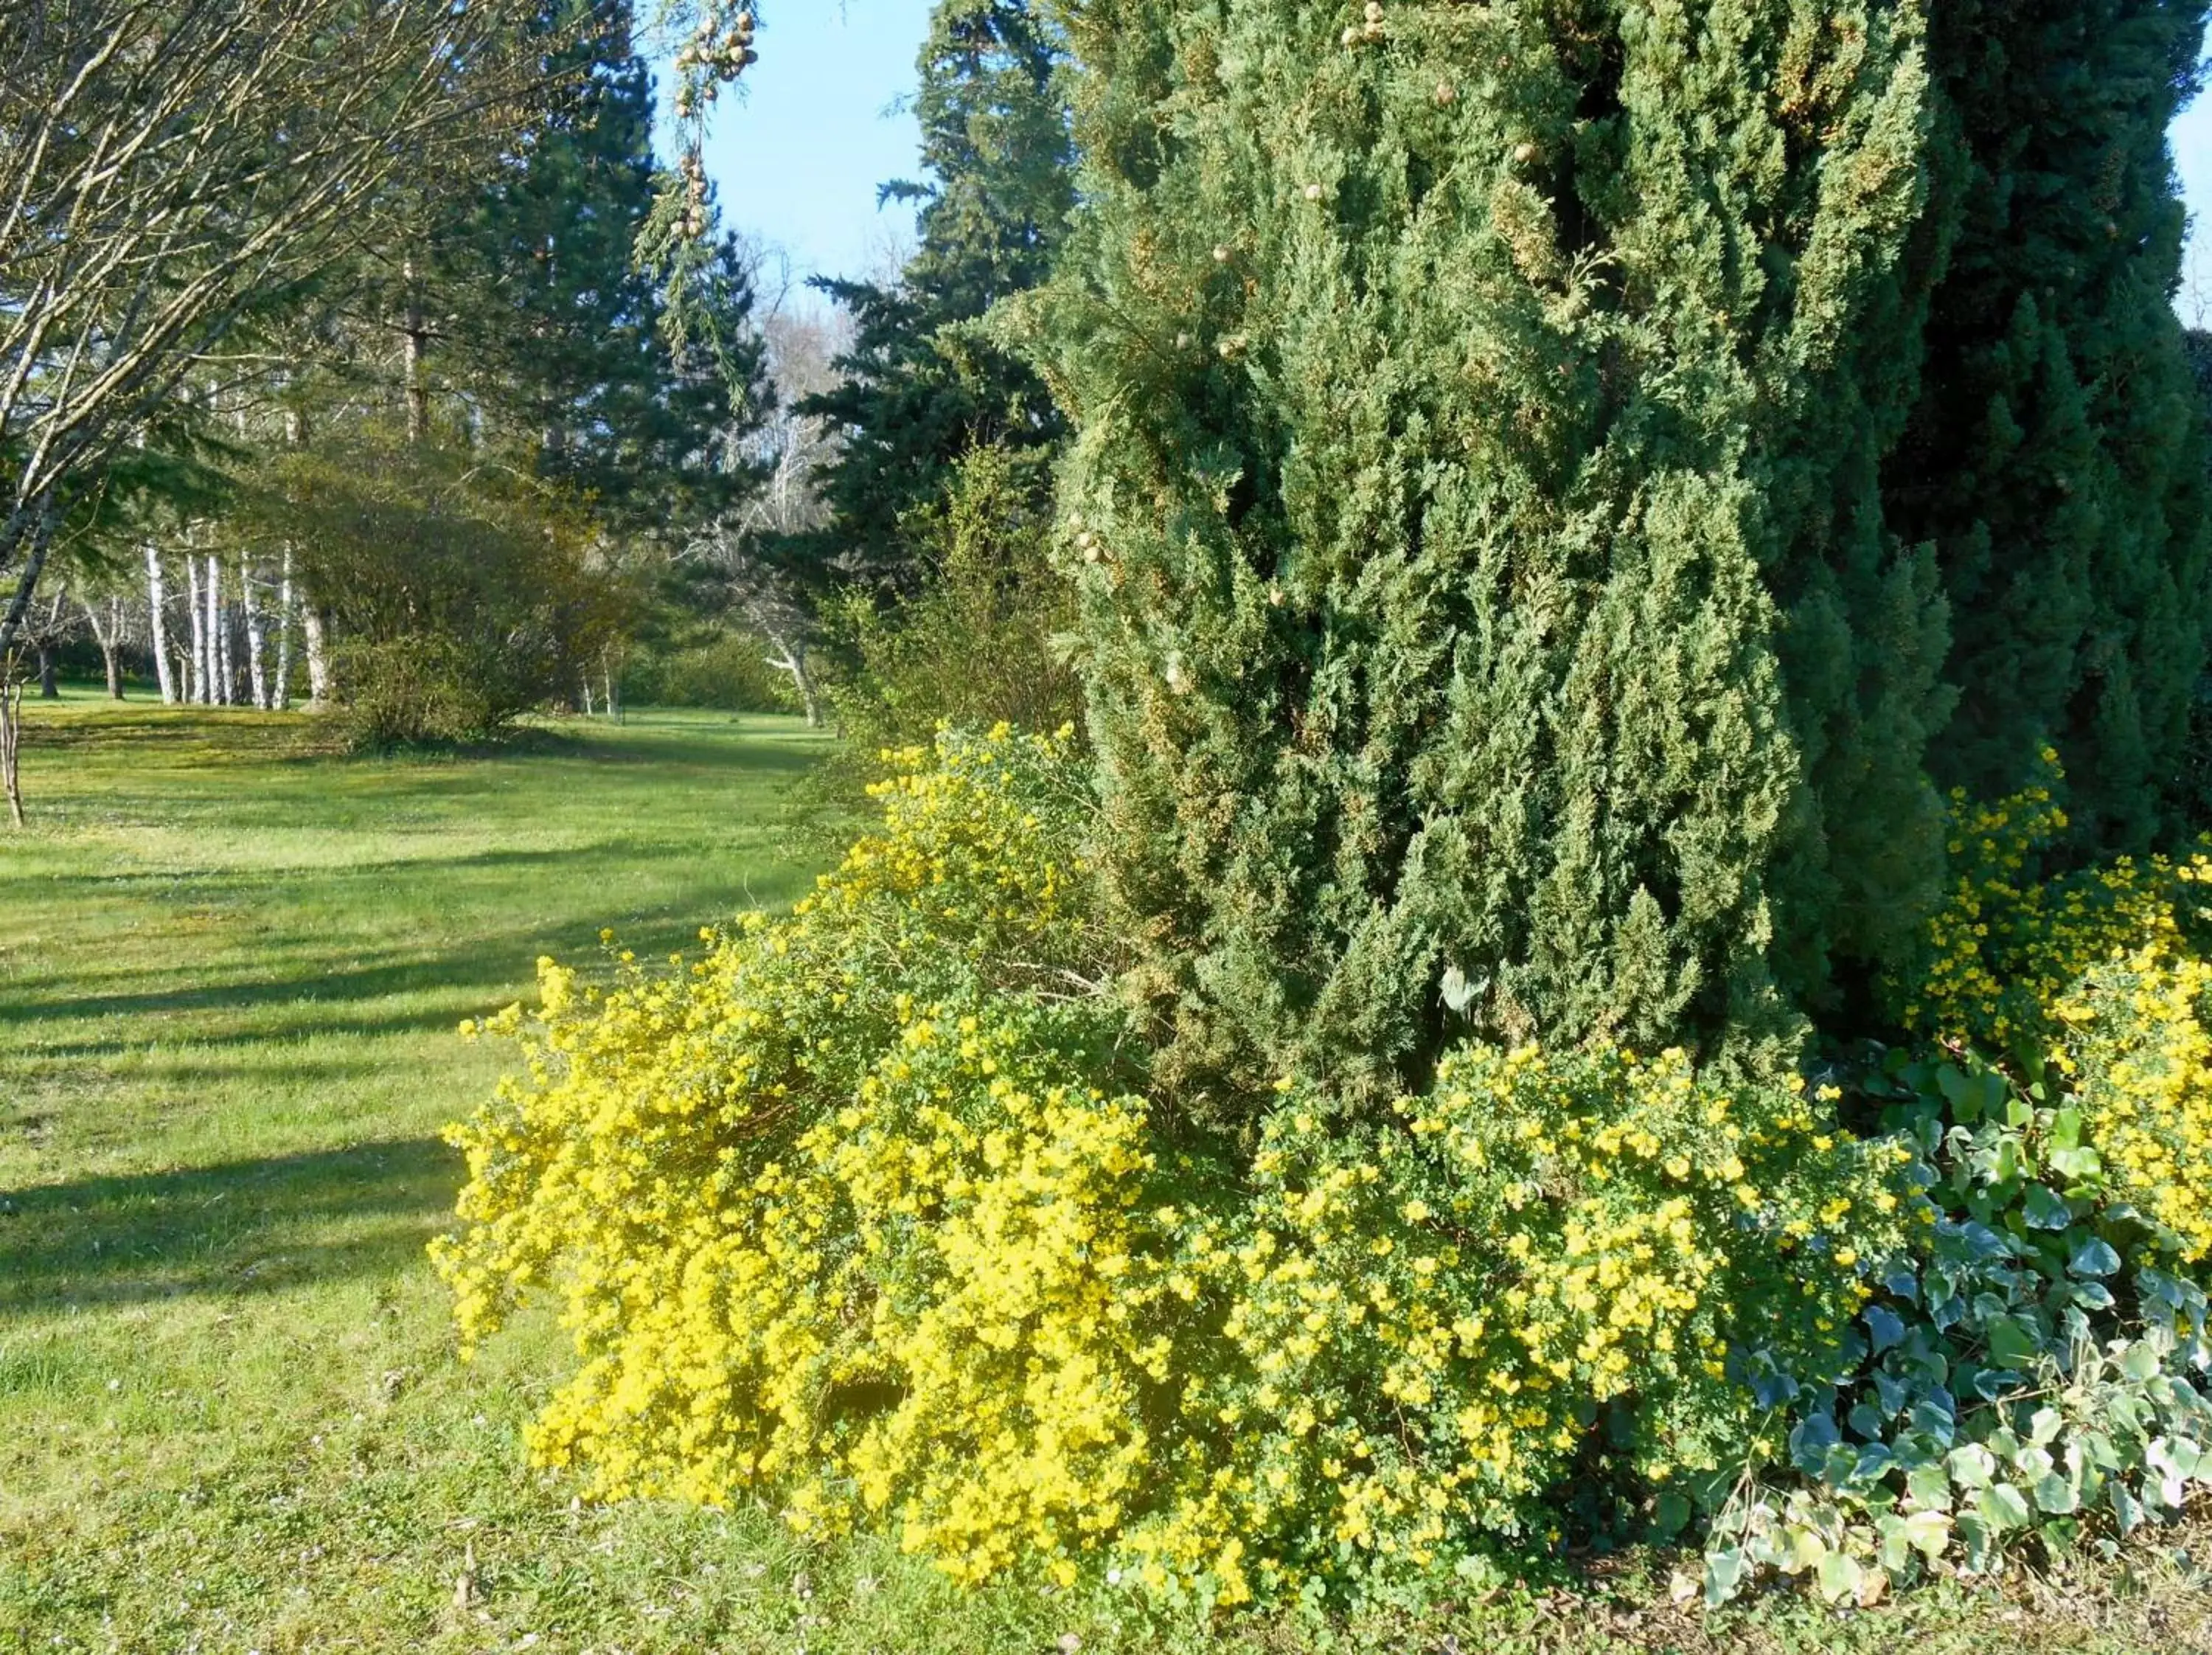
283, 702
791, 657
607, 681
250, 608
218, 636
419, 395
196, 691
318, 656
108, 637
586, 678
157, 625
11, 737
49, 687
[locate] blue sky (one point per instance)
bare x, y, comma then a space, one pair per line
798, 158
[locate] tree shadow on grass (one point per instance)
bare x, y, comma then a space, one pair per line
228, 1231
309, 998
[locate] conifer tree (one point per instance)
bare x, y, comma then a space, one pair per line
1489, 621
2054, 458
546, 321
920, 391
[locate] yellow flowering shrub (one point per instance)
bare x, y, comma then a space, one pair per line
1548, 1257
2097, 976
2138, 1051
867, 1214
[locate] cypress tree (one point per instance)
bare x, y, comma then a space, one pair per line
1488, 619
2054, 458
920, 390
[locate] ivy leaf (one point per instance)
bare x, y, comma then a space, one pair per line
2044, 1426
2140, 1363
1972, 1466
2012, 1344
1810, 1439
1929, 1533
1929, 1486
2076, 1163
2045, 1209
2057, 1494
1724, 1571
2003, 1507
1841, 1577
1885, 1328
2093, 1257
2094, 1294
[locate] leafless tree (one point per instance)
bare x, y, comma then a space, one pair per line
168, 166
790, 448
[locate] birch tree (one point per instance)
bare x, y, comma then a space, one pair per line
790, 449
157, 623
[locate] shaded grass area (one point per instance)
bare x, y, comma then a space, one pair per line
230, 1414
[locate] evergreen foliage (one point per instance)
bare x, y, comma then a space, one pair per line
1488, 614
920, 389
550, 325
2055, 459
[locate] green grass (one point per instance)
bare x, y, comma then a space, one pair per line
230, 1415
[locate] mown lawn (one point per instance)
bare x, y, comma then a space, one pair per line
231, 961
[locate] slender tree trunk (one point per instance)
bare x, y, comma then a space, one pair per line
791, 657
157, 625
283, 701
218, 635
11, 737
418, 393
50, 688
607, 681
108, 635
196, 691
250, 609
318, 656
587, 680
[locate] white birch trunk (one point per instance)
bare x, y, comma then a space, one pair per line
218, 634
318, 656
199, 690
250, 608
157, 625
283, 701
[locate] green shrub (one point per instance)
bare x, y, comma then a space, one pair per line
426, 689
458, 593
727, 670
980, 640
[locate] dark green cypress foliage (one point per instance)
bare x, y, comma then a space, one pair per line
1473, 401
2053, 460
921, 390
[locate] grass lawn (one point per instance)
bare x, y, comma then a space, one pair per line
230, 1415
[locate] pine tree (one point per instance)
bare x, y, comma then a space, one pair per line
1489, 621
920, 390
548, 324
2054, 458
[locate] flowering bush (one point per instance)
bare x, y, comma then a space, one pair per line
867, 1214
1555, 1265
